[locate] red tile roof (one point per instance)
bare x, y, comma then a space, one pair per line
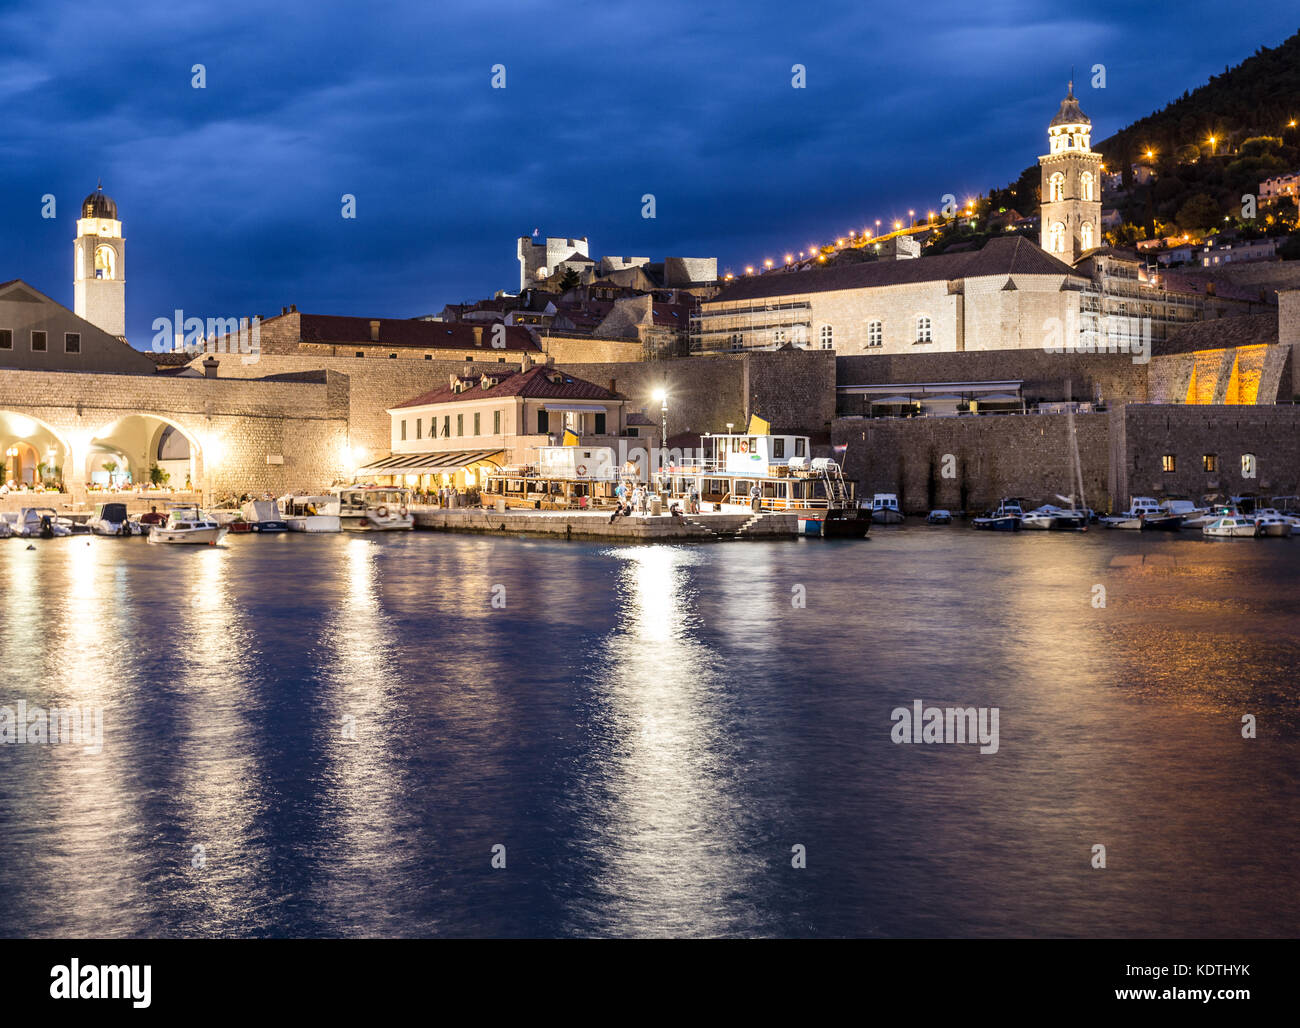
409, 332
542, 382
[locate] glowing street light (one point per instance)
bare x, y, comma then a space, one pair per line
662, 396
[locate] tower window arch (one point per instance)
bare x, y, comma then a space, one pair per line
105, 262
1056, 187
1086, 186
1056, 238
1086, 236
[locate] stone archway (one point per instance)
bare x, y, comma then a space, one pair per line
140, 439
34, 453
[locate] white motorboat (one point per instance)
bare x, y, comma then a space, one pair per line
1231, 526
884, 509
1145, 514
1056, 519
1272, 522
372, 508
6, 526
112, 519
1187, 510
314, 514
43, 523
188, 525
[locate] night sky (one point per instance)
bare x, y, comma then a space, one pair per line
230, 195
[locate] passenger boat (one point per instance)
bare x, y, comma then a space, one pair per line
112, 519
372, 508
939, 517
734, 473
1006, 518
187, 525
884, 509
1231, 526
306, 514
264, 516
767, 474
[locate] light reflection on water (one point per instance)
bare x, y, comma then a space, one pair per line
648, 731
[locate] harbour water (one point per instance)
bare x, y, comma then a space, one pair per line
330, 735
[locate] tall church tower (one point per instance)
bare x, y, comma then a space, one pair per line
1071, 206
99, 285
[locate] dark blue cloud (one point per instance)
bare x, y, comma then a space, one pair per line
230, 195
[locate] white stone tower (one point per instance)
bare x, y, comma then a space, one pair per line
99, 285
1071, 204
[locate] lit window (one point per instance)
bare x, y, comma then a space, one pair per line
1056, 239
1056, 187
1085, 235
1167, 463
1210, 462
1248, 465
1085, 186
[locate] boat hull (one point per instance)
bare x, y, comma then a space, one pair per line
851, 524
188, 536
1004, 524
315, 523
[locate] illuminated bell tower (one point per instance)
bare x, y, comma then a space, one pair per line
99, 285
1071, 187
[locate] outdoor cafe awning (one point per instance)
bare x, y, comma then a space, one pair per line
429, 463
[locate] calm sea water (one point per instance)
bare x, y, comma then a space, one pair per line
347, 727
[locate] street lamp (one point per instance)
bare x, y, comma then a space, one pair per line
662, 396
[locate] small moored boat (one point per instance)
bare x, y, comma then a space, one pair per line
188, 525
112, 519
1231, 526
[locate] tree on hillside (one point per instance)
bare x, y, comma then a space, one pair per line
1199, 214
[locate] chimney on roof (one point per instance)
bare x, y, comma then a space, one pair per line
210, 367
478, 335
293, 308
374, 331
525, 361
284, 311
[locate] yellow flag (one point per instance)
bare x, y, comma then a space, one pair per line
757, 426
570, 438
